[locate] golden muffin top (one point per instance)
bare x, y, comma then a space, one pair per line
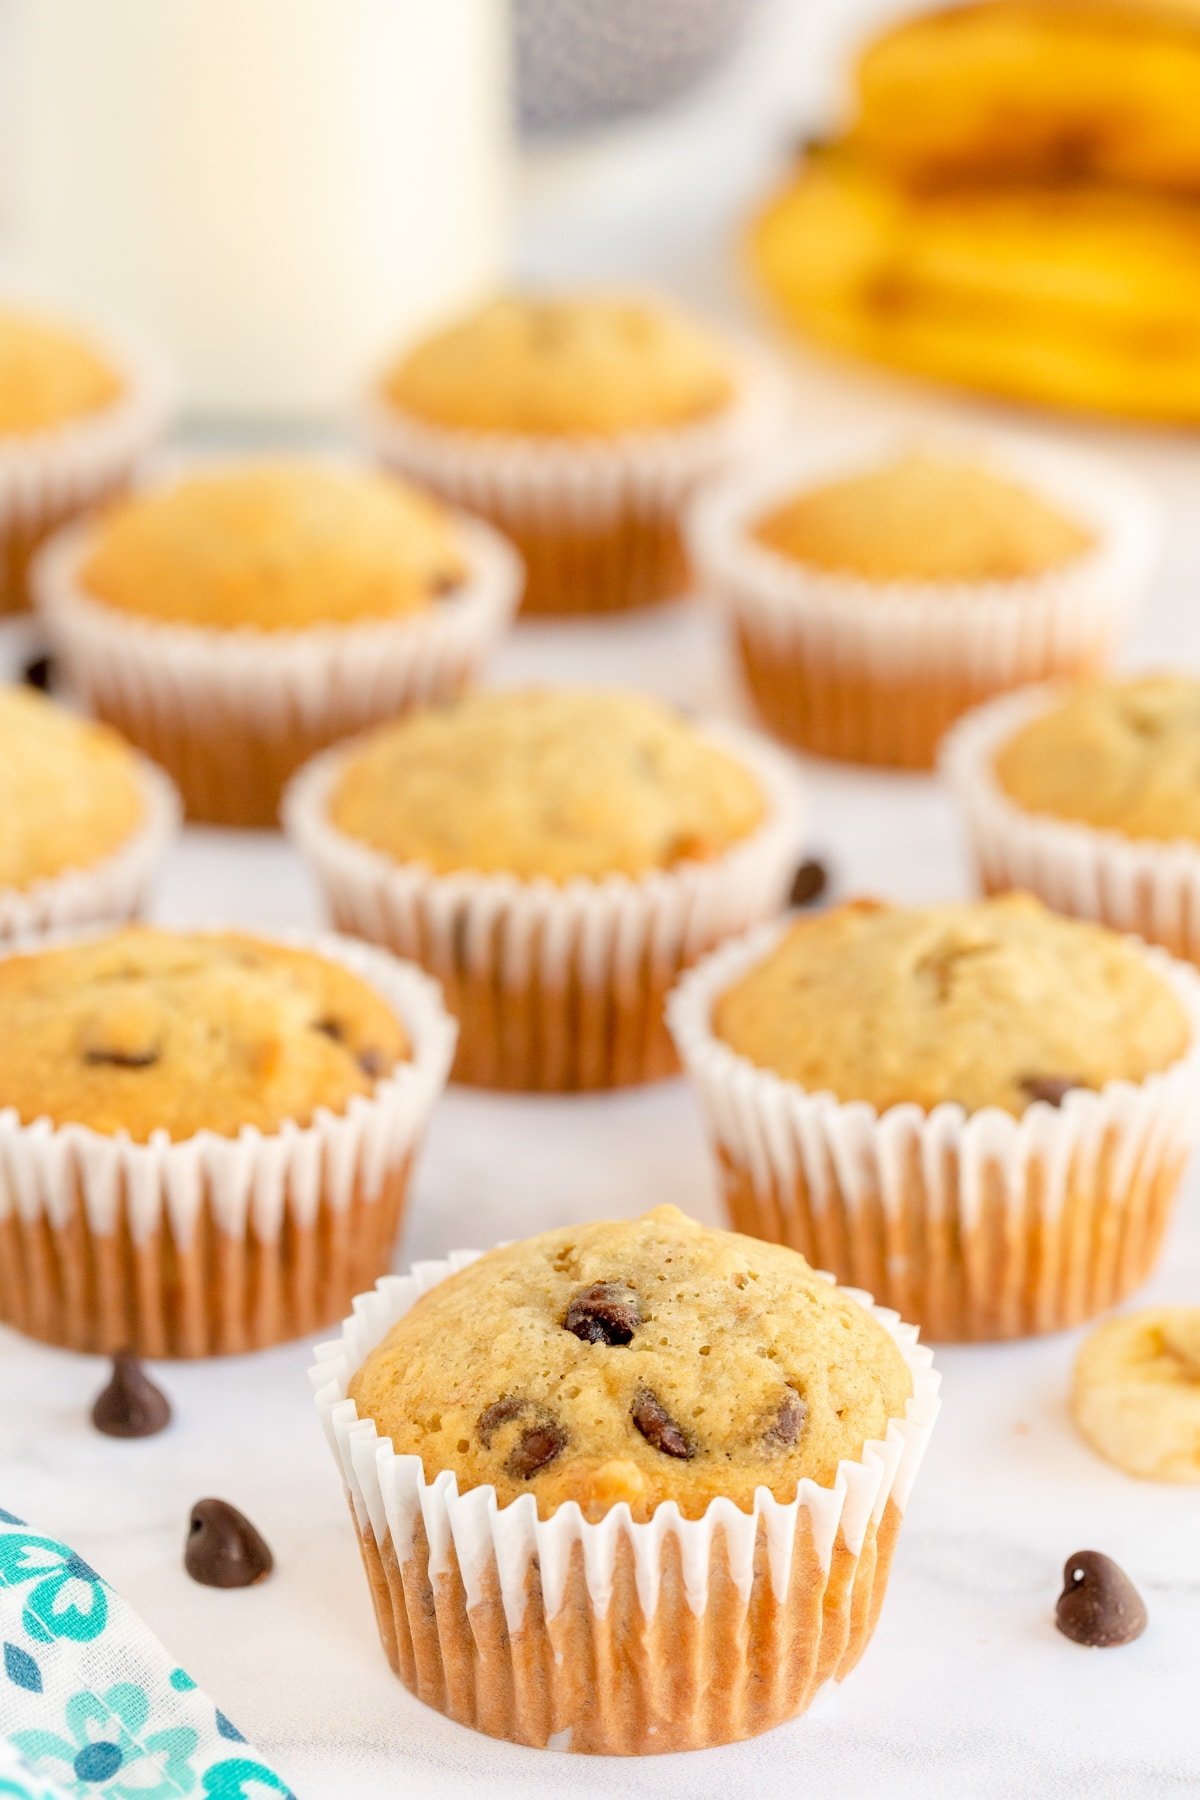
640, 1361
551, 782
926, 518
1120, 755
143, 1031
586, 365
274, 546
70, 793
48, 376
987, 1003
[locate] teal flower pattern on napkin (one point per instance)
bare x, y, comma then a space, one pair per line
91, 1705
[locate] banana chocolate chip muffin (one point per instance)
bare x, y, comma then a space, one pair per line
878, 594
638, 1361
552, 1397
152, 1031
74, 419
549, 783
578, 423
274, 546
993, 1003
234, 620
229, 1100
937, 1100
1089, 797
553, 856
83, 821
566, 365
1118, 756
49, 375
925, 517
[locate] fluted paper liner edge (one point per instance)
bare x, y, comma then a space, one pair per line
850, 1157
391, 1496
1135, 884
335, 678
248, 1178
113, 888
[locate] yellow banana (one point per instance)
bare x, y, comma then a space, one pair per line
994, 89
1075, 295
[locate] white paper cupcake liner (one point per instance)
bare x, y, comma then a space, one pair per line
875, 672
1139, 885
596, 519
556, 987
51, 476
231, 714
115, 888
977, 1225
555, 1597
213, 1243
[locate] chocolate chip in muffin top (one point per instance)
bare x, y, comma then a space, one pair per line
637, 1361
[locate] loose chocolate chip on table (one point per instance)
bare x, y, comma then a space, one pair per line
121, 1059
39, 673
223, 1549
130, 1406
808, 883
605, 1313
538, 1445
1053, 1089
658, 1427
1099, 1605
788, 1423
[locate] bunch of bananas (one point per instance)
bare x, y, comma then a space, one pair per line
1015, 207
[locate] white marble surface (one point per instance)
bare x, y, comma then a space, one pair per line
967, 1689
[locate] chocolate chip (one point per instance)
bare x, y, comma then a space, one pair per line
538, 1445
130, 1406
605, 1313
329, 1028
223, 1549
445, 583
121, 1059
1099, 1605
808, 883
658, 1427
499, 1413
1053, 1089
373, 1063
788, 1423
39, 673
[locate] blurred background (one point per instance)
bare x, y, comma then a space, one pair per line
279, 189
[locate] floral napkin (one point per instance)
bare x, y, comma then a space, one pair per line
91, 1705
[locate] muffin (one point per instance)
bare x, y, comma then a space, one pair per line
579, 424
84, 821
209, 1133
76, 416
982, 1108
1088, 797
877, 592
554, 857
727, 1437
235, 620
